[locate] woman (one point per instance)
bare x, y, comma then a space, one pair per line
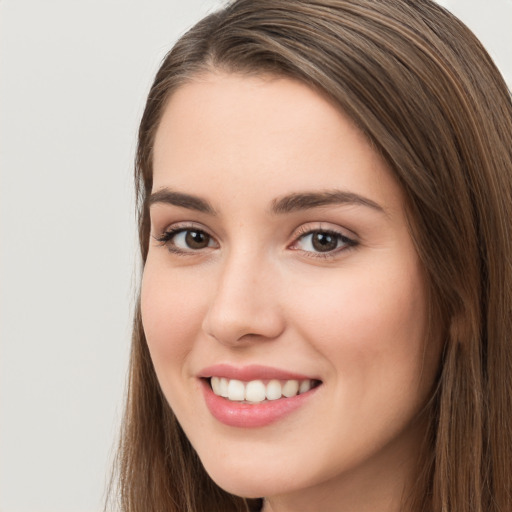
325, 200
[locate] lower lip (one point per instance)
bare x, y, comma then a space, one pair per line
244, 415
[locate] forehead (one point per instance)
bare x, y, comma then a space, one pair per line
262, 133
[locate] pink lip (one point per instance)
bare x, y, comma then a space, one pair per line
244, 415
250, 372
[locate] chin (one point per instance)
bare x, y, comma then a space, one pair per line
250, 482
249, 487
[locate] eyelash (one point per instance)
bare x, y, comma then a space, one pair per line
348, 243
167, 237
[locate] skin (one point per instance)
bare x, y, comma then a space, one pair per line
260, 293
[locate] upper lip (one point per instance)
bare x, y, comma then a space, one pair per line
250, 372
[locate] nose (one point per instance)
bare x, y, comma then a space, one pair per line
245, 306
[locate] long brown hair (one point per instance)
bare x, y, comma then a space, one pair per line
421, 87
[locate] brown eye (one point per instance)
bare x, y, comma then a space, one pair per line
196, 239
187, 240
324, 242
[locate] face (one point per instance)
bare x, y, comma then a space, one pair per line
282, 273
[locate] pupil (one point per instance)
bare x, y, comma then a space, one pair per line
324, 242
197, 239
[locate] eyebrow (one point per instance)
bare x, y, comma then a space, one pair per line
188, 201
287, 204
306, 200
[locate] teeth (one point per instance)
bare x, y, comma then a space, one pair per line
305, 386
256, 391
274, 390
223, 387
290, 388
215, 383
236, 390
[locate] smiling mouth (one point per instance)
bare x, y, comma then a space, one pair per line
259, 391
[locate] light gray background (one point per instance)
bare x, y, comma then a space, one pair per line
74, 75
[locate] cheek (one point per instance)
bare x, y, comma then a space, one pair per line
369, 325
171, 316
